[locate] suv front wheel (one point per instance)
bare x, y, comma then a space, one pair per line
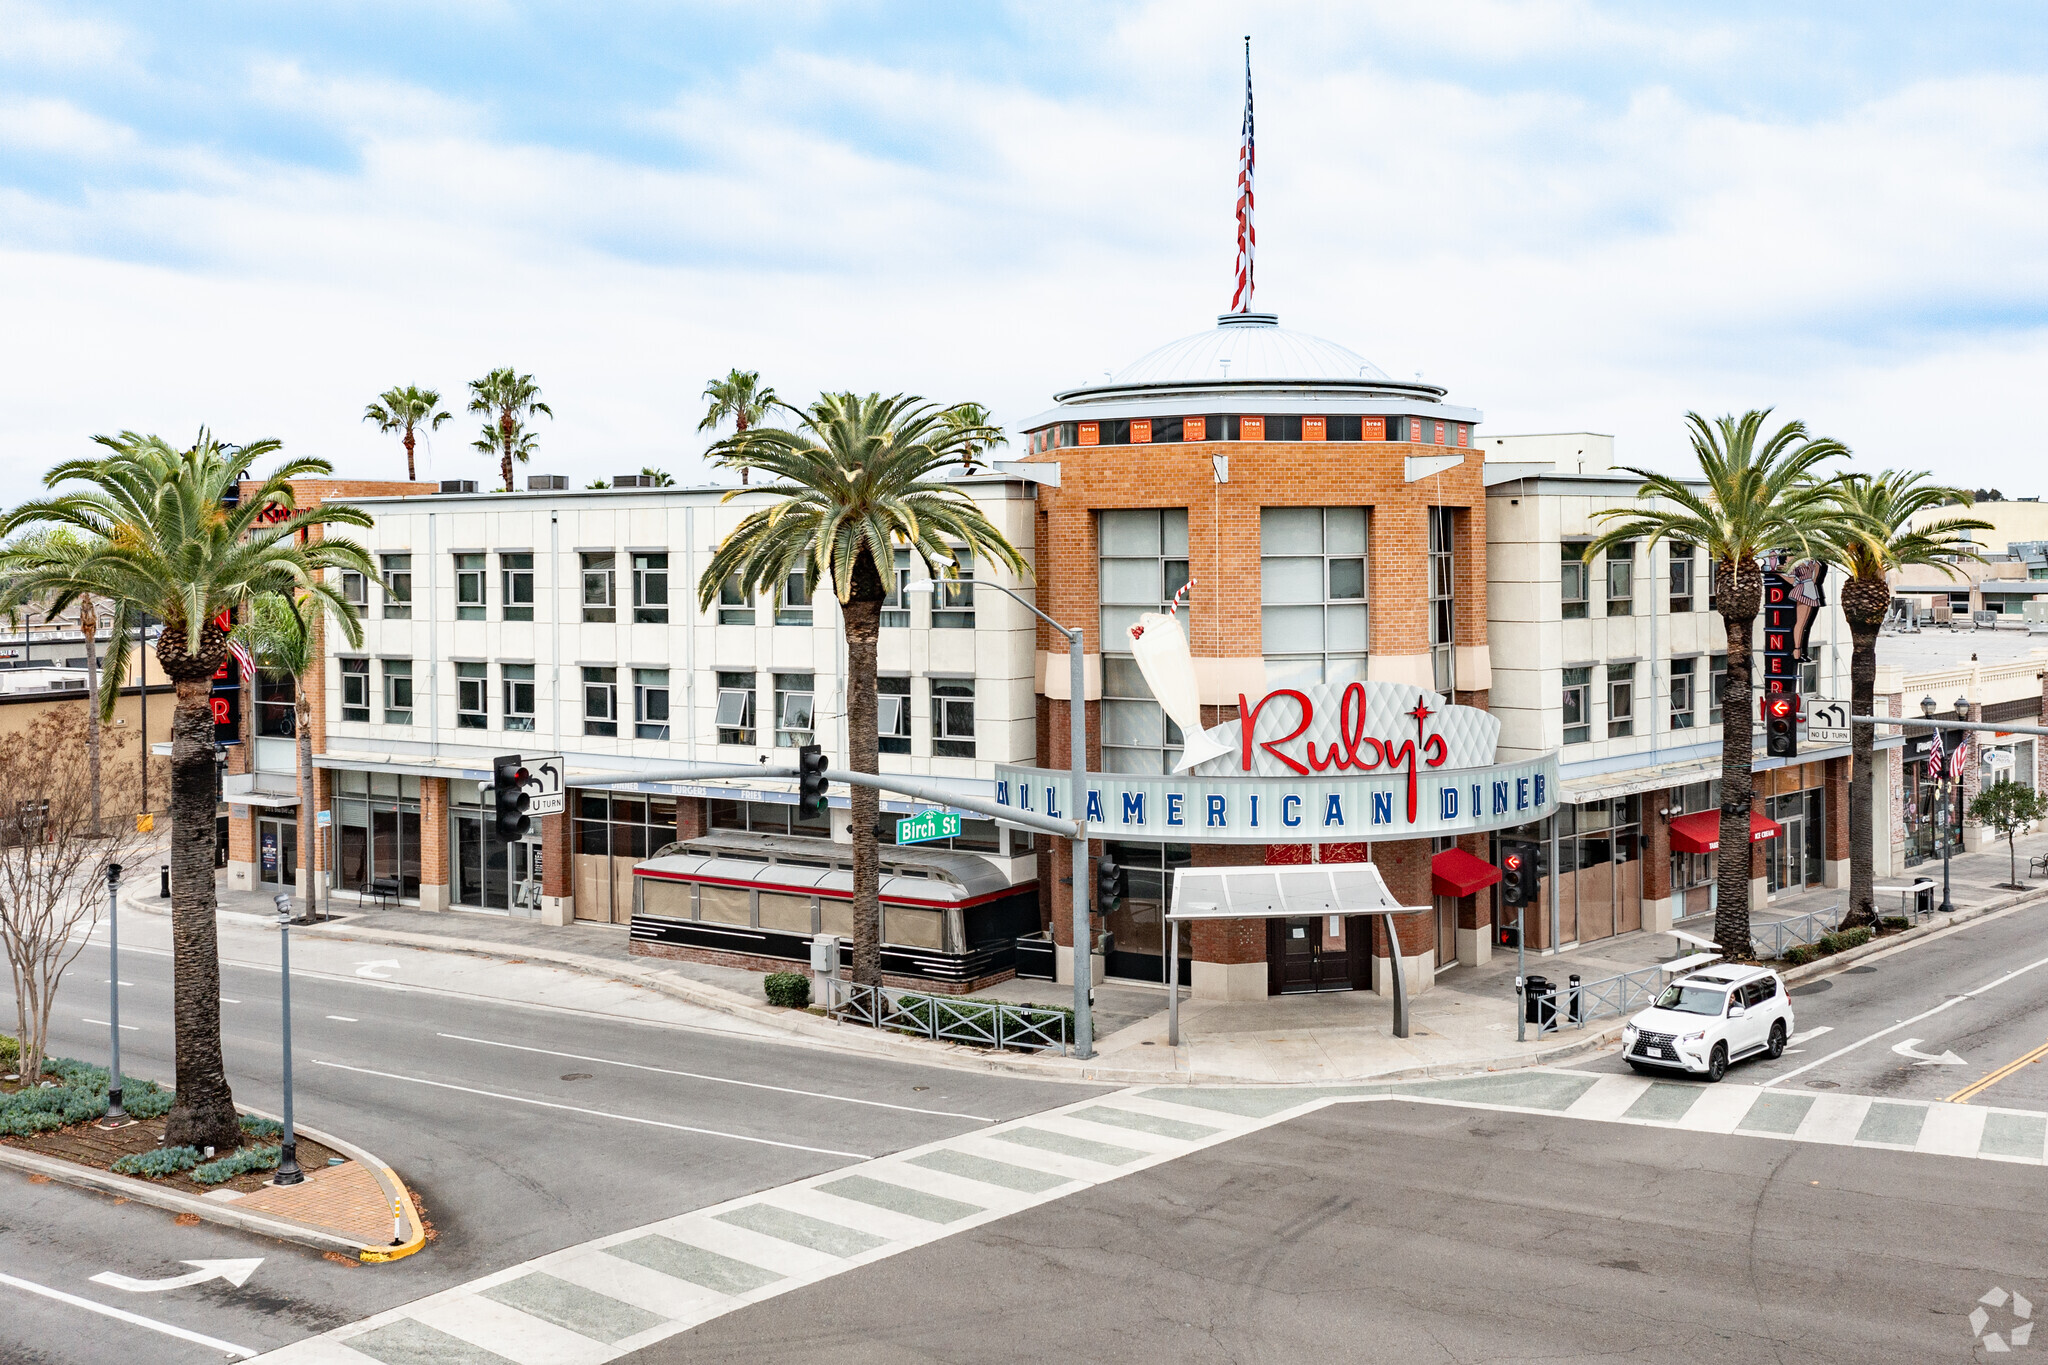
1717, 1063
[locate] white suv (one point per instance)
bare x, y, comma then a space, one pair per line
1703, 1022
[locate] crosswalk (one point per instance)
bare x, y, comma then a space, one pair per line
602, 1299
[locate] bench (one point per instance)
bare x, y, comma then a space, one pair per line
2037, 866
382, 890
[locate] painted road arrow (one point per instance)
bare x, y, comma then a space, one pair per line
369, 969
236, 1273
1910, 1048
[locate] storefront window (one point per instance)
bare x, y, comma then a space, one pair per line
1137, 949
772, 817
378, 815
485, 872
1599, 873
624, 826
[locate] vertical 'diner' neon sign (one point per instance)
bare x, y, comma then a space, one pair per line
1352, 749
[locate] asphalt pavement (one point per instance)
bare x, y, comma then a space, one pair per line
523, 1129
1414, 1233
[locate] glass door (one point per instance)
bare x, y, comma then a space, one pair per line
277, 851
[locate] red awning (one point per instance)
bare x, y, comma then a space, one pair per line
1454, 872
1701, 832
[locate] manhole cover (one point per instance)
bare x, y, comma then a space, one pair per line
576, 1075
1823, 1085
1812, 988
1859, 971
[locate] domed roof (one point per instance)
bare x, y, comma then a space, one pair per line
1248, 346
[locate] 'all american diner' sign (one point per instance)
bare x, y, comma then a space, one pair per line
1323, 762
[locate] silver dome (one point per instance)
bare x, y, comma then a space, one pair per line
1248, 346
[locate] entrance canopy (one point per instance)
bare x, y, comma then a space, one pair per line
1701, 832
1454, 872
1283, 892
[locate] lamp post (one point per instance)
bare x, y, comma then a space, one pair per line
1077, 796
116, 1116
1945, 786
288, 1172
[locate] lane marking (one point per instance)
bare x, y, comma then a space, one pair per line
124, 1315
236, 1273
126, 1028
368, 970
343, 1019
722, 1080
1908, 1023
1910, 1048
226, 1001
1975, 1088
595, 1113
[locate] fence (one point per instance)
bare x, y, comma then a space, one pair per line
979, 1023
1574, 1006
1773, 938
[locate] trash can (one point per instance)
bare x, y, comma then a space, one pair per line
1923, 898
1537, 994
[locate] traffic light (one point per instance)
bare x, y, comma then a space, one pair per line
1781, 725
508, 791
811, 783
1109, 884
1522, 865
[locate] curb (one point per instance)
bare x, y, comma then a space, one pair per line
225, 1213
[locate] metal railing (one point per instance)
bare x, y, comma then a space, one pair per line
1575, 1003
1773, 938
978, 1023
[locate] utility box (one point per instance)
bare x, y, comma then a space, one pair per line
825, 955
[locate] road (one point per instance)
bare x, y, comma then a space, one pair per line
1418, 1234
523, 1129
1974, 1000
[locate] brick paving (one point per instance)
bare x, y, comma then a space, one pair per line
345, 1198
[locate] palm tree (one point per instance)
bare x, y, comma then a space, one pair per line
279, 635
851, 488
403, 409
1877, 536
167, 541
742, 399
1762, 496
978, 432
508, 401
661, 477
53, 550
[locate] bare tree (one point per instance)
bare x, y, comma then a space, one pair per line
53, 864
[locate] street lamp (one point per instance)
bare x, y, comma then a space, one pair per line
1077, 746
116, 1116
288, 1172
1945, 784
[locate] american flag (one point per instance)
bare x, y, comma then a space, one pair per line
1958, 757
243, 657
1935, 757
1247, 163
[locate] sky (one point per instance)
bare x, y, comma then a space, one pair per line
1574, 216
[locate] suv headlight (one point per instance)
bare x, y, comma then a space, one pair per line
1628, 1032
1693, 1037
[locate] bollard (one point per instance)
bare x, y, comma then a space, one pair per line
397, 1225
1577, 1002
163, 882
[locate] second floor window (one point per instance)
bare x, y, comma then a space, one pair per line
355, 689
600, 701
276, 712
1621, 700
793, 608
735, 714
1137, 734
795, 710
1572, 572
735, 608
472, 691
892, 715
895, 608
1312, 594
398, 691
516, 592
1681, 577
469, 587
355, 590
650, 589
1578, 705
600, 597
1684, 701
1621, 580
1443, 620
953, 717
397, 587
953, 599
650, 703
1717, 682
518, 680
1144, 562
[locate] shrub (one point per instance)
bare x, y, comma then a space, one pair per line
1895, 922
261, 1127
162, 1161
79, 1097
237, 1163
1801, 954
791, 990
1844, 939
10, 1052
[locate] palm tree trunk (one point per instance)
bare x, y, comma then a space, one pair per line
863, 613
506, 430
1858, 595
89, 623
1739, 601
309, 833
410, 475
204, 1115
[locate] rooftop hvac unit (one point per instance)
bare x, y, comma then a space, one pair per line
632, 481
546, 483
458, 485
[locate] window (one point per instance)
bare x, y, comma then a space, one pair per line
515, 573
355, 689
793, 605
952, 718
895, 609
1144, 562
518, 681
1809, 677
1621, 700
766, 817
795, 710
650, 589
624, 826
1681, 577
1312, 586
600, 586
735, 714
1578, 705
398, 691
355, 590
650, 703
600, 701
276, 712
469, 587
1683, 699
1717, 682
1443, 619
1621, 580
1137, 734
734, 607
1572, 574
472, 683
892, 714
397, 587
953, 599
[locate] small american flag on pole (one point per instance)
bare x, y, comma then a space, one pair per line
243, 657
1247, 164
1958, 757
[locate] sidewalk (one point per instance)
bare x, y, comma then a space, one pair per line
1464, 1022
